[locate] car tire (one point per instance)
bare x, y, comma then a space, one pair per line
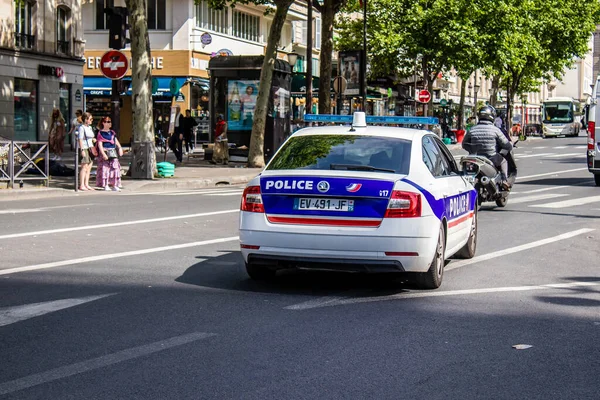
501, 202
597, 179
468, 250
432, 279
259, 273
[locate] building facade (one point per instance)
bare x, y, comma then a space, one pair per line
184, 36
41, 59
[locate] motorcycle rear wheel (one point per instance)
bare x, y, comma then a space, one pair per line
501, 202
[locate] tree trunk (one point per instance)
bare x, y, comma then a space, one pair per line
328, 16
494, 91
143, 165
461, 107
256, 153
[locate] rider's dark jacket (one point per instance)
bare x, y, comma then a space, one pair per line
485, 139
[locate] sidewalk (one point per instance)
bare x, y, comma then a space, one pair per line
192, 174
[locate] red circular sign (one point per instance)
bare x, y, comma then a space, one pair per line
424, 96
114, 64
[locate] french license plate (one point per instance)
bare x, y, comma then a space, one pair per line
324, 204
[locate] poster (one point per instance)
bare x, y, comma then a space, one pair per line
241, 102
281, 102
350, 69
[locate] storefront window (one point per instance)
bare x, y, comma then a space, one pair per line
25, 100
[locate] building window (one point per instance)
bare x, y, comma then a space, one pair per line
101, 17
62, 30
315, 66
299, 67
246, 26
211, 19
157, 11
25, 109
317, 33
23, 26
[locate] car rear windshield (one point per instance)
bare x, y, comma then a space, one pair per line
344, 152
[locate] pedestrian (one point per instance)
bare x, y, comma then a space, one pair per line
109, 150
56, 134
87, 141
189, 123
176, 140
221, 146
75, 122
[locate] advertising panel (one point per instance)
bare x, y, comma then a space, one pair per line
241, 103
349, 62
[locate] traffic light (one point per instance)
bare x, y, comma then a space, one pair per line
117, 27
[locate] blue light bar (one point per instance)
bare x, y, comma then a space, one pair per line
371, 119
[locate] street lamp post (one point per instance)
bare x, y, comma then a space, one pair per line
470, 87
477, 86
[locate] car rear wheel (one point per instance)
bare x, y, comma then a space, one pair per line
597, 179
468, 250
432, 279
258, 272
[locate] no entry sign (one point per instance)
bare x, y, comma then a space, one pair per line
114, 64
424, 96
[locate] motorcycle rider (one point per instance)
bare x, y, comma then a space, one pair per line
485, 139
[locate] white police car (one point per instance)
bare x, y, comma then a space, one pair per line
357, 198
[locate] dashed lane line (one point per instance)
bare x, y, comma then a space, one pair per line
536, 197
100, 362
83, 260
551, 173
569, 203
339, 300
113, 224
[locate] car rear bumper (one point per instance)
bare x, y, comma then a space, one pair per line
341, 253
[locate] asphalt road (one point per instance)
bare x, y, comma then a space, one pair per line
144, 296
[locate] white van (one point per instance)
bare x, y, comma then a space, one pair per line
593, 129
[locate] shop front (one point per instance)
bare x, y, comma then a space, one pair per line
36, 85
179, 77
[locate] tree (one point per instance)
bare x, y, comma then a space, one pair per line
328, 10
535, 40
141, 84
256, 155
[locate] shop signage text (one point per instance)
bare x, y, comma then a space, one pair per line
94, 62
51, 71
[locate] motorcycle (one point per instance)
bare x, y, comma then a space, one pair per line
486, 178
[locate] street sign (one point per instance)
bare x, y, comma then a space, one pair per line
443, 102
340, 84
424, 96
114, 64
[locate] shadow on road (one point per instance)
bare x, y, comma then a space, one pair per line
578, 181
574, 296
228, 272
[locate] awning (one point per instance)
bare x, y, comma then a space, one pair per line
101, 86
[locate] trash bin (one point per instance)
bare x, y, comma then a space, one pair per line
460, 134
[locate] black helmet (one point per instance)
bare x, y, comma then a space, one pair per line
487, 113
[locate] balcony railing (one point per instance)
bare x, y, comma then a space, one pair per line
62, 46
24, 41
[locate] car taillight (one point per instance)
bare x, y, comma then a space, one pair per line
591, 135
252, 200
403, 205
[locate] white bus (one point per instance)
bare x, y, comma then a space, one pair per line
560, 116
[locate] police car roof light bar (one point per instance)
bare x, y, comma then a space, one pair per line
358, 121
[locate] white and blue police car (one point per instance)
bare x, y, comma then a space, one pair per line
359, 199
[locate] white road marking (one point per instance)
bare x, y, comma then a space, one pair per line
10, 315
551, 173
227, 194
560, 147
566, 155
114, 255
516, 249
536, 197
335, 301
175, 192
212, 193
540, 147
100, 362
113, 224
540, 190
534, 155
32, 210
570, 203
